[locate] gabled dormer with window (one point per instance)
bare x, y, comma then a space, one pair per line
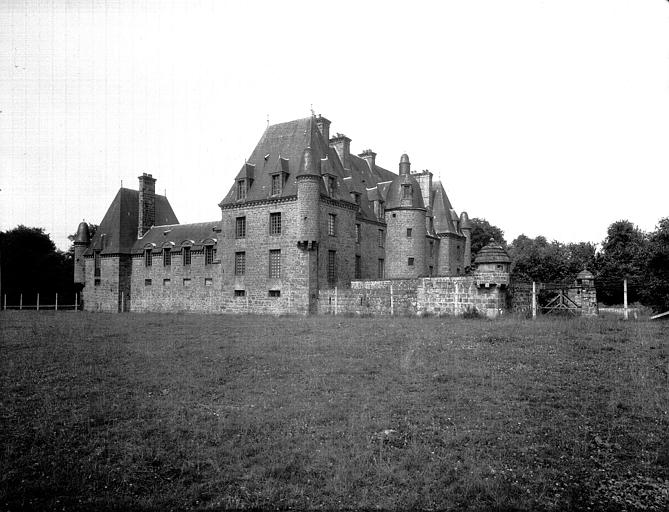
329, 178
279, 177
245, 181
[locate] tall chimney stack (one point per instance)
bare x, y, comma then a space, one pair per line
370, 157
147, 204
342, 145
323, 127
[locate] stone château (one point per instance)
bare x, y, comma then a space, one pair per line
305, 216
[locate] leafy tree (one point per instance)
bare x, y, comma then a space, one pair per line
624, 255
655, 293
549, 262
31, 264
482, 232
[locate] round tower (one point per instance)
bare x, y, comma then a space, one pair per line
466, 228
406, 229
81, 241
308, 197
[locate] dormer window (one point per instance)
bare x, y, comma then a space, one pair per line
276, 184
406, 192
356, 198
332, 184
241, 190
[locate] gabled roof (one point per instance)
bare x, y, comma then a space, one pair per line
176, 235
442, 210
280, 150
117, 233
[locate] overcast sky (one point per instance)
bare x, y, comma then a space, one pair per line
544, 117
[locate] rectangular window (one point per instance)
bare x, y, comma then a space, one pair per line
167, 281
275, 293
240, 293
148, 258
380, 238
409, 232
431, 248
357, 233
411, 262
381, 269
147, 282
240, 263
358, 267
406, 191
431, 270
167, 257
185, 256
241, 189
332, 182
332, 224
209, 253
97, 281
208, 281
96, 263
240, 227
275, 263
276, 184
275, 223
186, 281
332, 267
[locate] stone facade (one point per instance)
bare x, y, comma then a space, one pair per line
484, 293
303, 218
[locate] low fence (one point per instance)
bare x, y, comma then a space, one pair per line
60, 303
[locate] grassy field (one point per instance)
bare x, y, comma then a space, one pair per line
160, 412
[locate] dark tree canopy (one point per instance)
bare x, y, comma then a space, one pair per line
537, 259
482, 232
655, 293
31, 263
624, 255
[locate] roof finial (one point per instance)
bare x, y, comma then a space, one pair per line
311, 107
267, 120
121, 183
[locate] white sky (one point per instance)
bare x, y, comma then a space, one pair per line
544, 117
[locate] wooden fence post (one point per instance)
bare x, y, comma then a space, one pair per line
392, 301
534, 300
20, 302
56, 301
626, 311
37, 301
76, 301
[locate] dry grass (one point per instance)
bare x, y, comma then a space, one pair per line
162, 412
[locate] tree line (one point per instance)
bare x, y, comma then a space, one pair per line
626, 253
31, 263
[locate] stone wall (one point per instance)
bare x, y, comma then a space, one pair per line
176, 287
485, 293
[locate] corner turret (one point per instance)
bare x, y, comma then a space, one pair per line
308, 196
81, 242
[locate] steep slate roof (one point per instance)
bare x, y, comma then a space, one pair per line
280, 150
117, 232
283, 144
195, 235
492, 253
441, 210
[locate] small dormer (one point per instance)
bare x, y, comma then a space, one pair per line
279, 177
245, 181
329, 177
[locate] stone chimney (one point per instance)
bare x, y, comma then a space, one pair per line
342, 145
147, 204
323, 127
370, 157
424, 179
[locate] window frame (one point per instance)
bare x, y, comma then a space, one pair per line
275, 223
209, 254
186, 256
240, 263
167, 256
275, 184
332, 267
241, 189
240, 227
275, 263
332, 224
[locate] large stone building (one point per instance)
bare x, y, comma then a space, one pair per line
304, 215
